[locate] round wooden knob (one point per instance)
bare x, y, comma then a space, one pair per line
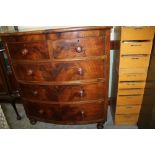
35, 92
30, 72
78, 49
80, 71
81, 92
41, 111
24, 51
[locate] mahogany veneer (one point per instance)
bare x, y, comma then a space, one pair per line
63, 73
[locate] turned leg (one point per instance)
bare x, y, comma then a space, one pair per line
33, 121
100, 125
15, 109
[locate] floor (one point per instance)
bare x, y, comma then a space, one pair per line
25, 124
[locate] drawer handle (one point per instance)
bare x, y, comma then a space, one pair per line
79, 49
81, 92
134, 58
30, 72
128, 107
41, 111
35, 92
136, 45
80, 71
83, 114
24, 51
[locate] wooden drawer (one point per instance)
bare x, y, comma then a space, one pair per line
132, 61
136, 47
133, 76
137, 33
60, 71
130, 119
63, 93
129, 99
66, 113
131, 84
80, 47
131, 91
28, 51
133, 71
128, 109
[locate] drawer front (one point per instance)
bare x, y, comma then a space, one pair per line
133, 71
133, 77
135, 33
60, 71
136, 47
138, 61
130, 91
130, 119
129, 99
131, 84
68, 113
28, 51
128, 109
63, 93
81, 47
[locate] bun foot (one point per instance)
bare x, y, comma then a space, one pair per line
100, 125
33, 122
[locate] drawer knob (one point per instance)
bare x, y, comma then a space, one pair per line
41, 111
81, 92
30, 72
78, 49
83, 114
80, 71
35, 92
24, 51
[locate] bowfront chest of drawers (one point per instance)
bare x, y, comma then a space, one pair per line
63, 73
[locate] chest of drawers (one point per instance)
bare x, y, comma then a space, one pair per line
63, 73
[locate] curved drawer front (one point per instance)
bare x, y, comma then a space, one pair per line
80, 47
66, 113
63, 93
60, 71
28, 51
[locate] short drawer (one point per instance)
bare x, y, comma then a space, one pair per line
63, 93
131, 91
80, 47
129, 99
133, 71
130, 119
133, 76
132, 61
128, 109
131, 84
68, 113
60, 71
136, 47
137, 33
28, 51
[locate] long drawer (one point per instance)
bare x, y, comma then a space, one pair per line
129, 99
133, 91
66, 113
137, 33
128, 109
129, 119
63, 93
132, 61
132, 76
131, 84
80, 47
136, 47
60, 71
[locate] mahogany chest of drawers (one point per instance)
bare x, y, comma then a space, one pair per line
63, 73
